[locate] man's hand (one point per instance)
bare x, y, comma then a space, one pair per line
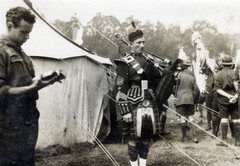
128, 117
233, 99
38, 83
205, 92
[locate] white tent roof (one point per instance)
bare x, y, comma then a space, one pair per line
45, 42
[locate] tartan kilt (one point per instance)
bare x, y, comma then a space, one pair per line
133, 126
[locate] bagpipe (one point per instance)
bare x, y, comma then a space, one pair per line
166, 83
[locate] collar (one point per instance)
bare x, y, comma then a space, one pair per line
5, 39
135, 54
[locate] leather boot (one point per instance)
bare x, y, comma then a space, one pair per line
184, 133
142, 162
208, 122
134, 163
218, 121
224, 129
214, 127
231, 125
162, 125
237, 134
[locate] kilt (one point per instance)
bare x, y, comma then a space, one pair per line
133, 126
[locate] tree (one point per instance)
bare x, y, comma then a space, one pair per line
99, 33
68, 27
99, 36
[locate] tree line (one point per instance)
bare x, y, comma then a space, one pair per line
99, 36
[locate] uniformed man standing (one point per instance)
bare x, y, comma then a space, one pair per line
226, 86
18, 92
187, 94
135, 99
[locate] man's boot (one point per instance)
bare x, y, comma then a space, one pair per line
218, 121
201, 113
184, 133
162, 125
214, 127
237, 134
224, 129
208, 122
231, 125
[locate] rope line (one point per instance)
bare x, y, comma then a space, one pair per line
179, 150
233, 147
209, 109
104, 149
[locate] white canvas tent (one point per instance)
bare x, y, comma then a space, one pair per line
72, 111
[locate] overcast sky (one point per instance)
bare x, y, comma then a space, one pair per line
225, 14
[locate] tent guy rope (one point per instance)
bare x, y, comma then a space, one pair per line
28, 2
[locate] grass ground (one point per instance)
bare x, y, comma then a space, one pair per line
167, 151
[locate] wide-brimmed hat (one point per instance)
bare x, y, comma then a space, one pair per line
187, 62
163, 63
227, 60
218, 66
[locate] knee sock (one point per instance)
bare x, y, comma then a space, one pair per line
132, 152
143, 150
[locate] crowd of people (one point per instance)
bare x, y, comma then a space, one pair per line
138, 81
221, 98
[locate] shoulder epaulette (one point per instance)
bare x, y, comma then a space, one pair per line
118, 61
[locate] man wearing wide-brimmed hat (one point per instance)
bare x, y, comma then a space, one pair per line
226, 87
187, 95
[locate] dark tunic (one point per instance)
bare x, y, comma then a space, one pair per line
128, 79
187, 93
18, 113
224, 80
